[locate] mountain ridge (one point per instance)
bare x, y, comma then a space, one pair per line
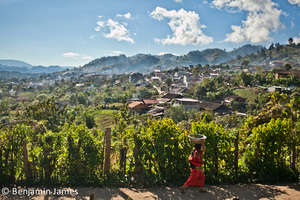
9, 65
14, 63
147, 62
143, 63
284, 53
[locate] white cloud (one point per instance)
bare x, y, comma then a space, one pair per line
115, 30
100, 24
178, 1
263, 18
76, 56
162, 53
295, 2
297, 39
127, 15
70, 55
117, 53
98, 28
184, 25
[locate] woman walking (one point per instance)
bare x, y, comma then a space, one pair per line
197, 178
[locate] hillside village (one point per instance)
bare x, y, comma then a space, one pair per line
175, 99
215, 89
177, 90
72, 119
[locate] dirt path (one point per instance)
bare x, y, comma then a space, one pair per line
238, 192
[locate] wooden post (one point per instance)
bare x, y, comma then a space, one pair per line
123, 152
138, 168
107, 150
26, 163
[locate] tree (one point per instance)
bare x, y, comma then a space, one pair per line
246, 78
245, 63
291, 41
89, 120
199, 91
164, 150
82, 98
168, 81
49, 112
5, 106
144, 93
287, 67
123, 119
196, 69
177, 113
266, 155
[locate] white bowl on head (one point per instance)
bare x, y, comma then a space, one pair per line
197, 138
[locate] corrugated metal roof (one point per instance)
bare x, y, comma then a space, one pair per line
187, 100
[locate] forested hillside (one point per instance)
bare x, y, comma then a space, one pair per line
145, 63
275, 52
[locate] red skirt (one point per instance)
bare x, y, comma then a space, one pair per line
196, 178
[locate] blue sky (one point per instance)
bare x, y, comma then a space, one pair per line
73, 32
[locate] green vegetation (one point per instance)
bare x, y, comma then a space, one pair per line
285, 53
53, 133
53, 145
250, 94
